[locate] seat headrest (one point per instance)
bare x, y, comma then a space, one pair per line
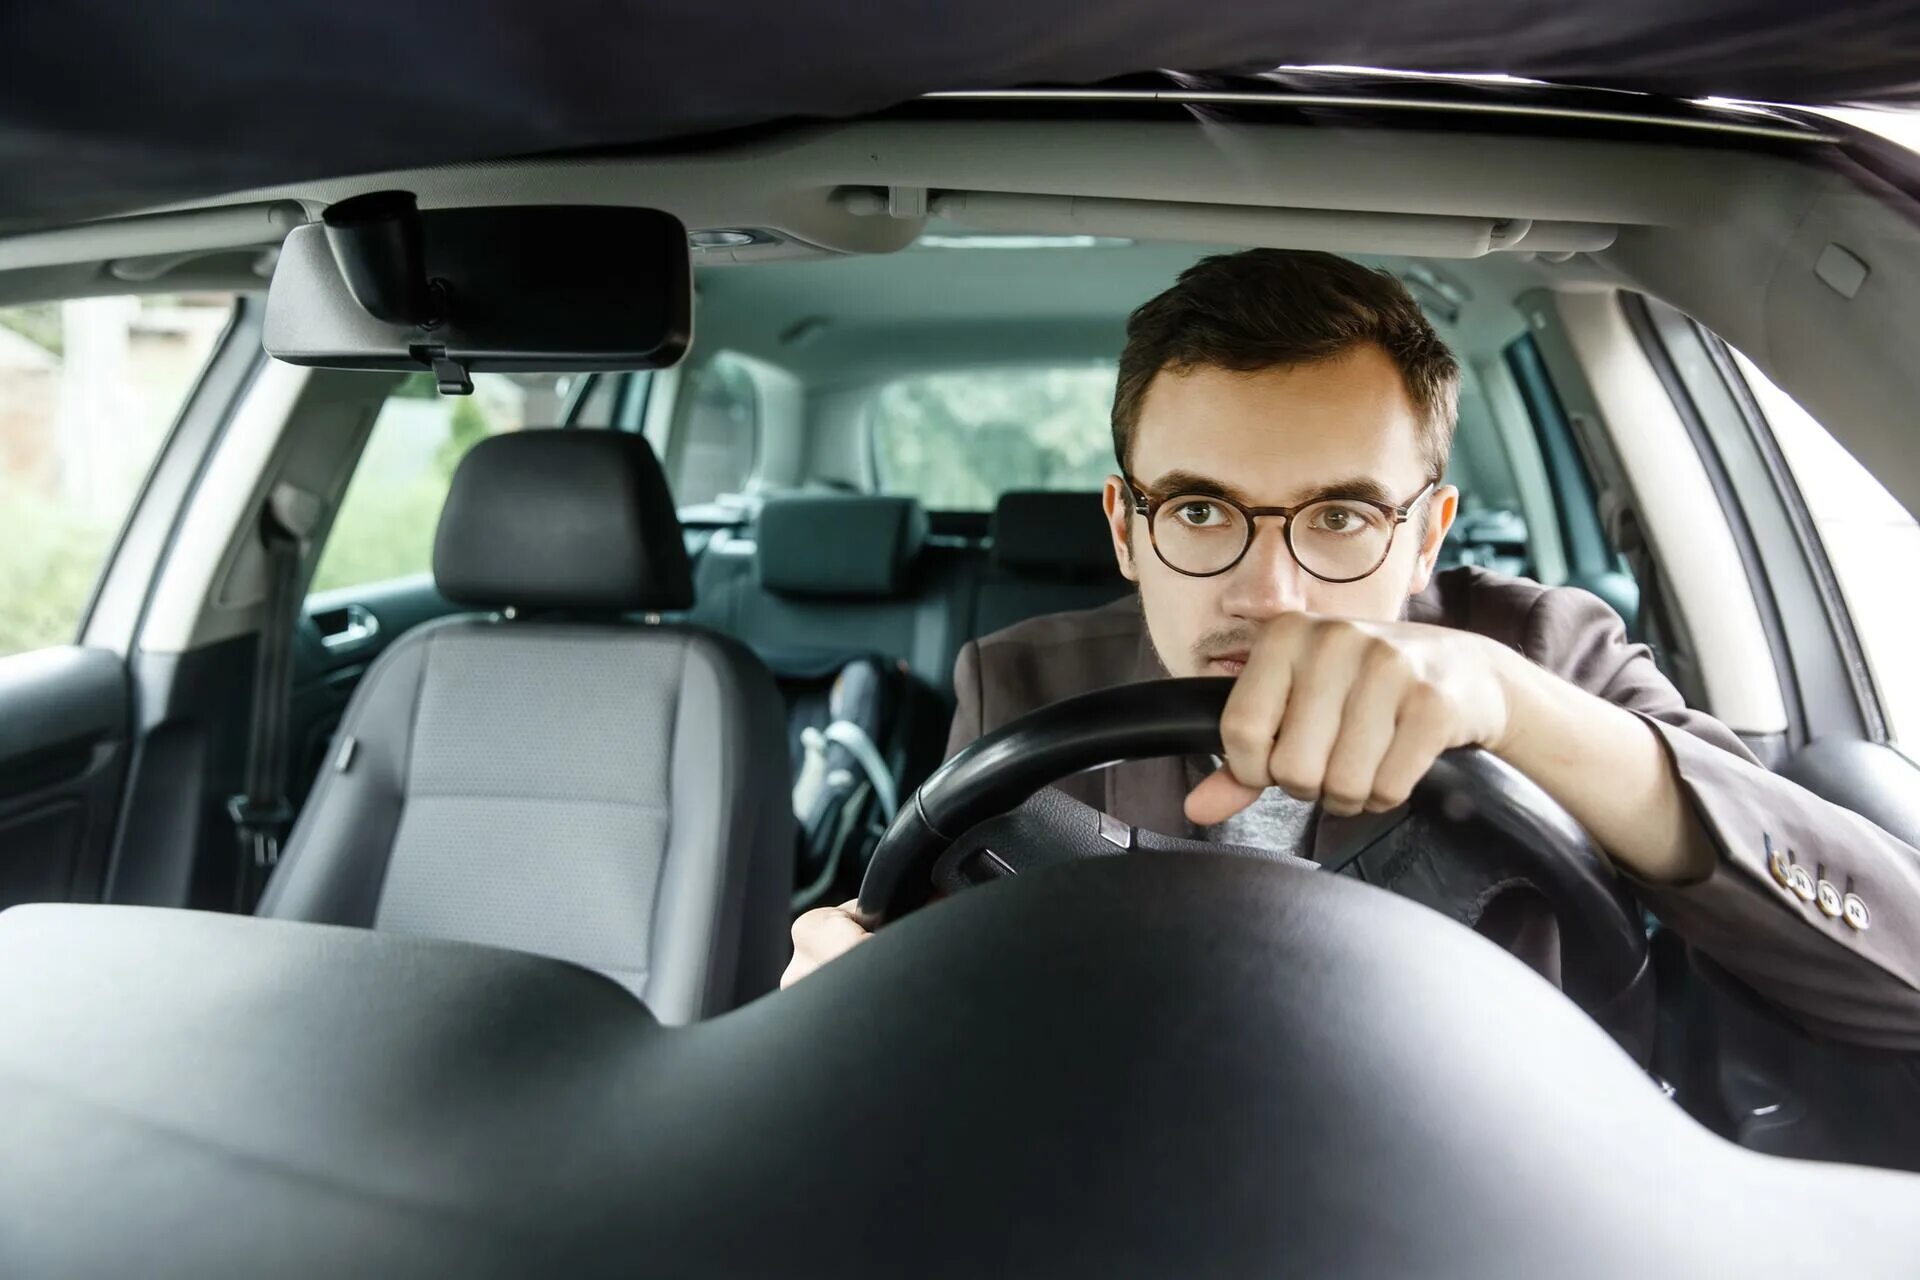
562, 519
838, 545
1052, 535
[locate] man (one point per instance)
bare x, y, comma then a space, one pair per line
1282, 424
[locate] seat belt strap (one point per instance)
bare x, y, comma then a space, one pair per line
260, 812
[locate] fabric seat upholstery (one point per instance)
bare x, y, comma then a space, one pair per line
562, 782
1051, 551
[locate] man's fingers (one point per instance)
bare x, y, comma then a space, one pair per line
1422, 734
1218, 797
1255, 707
1368, 725
1322, 681
821, 935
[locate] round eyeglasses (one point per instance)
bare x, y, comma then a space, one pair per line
1334, 539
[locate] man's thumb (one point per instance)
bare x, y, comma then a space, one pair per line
1218, 797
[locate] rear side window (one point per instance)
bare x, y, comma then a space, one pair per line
387, 519
89, 390
958, 440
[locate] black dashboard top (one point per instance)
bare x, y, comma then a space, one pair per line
1142, 1065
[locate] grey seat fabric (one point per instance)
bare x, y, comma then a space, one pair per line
841, 575
565, 783
1051, 551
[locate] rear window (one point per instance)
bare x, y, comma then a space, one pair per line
958, 440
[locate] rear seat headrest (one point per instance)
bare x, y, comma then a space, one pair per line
838, 545
562, 519
1052, 535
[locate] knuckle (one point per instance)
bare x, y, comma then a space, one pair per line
1244, 733
1382, 657
1425, 702
1328, 636
1296, 778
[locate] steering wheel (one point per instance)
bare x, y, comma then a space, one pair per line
1474, 826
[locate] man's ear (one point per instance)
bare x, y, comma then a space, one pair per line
1442, 505
1119, 507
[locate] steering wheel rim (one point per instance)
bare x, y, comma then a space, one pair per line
1599, 919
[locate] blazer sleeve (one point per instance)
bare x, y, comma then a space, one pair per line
1836, 978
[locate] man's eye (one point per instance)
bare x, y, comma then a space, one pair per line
1200, 515
1335, 518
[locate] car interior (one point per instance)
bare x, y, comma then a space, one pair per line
626, 667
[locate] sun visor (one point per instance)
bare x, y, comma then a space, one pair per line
381, 284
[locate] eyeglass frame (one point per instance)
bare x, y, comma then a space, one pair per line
1145, 503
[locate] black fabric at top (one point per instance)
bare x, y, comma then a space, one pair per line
560, 519
108, 106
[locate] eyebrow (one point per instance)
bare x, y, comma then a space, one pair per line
1361, 488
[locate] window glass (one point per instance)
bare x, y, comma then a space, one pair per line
89, 389
712, 449
959, 440
601, 399
1871, 541
392, 505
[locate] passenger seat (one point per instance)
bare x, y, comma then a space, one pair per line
552, 777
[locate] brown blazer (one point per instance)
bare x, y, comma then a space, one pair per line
1857, 985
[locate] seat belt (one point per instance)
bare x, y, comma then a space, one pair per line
260, 812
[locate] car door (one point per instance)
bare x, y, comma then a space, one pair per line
107, 405
374, 581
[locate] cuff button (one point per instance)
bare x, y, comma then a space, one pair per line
1828, 897
1800, 880
1780, 865
1854, 911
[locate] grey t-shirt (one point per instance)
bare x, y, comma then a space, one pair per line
1276, 822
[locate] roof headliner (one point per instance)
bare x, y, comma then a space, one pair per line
111, 107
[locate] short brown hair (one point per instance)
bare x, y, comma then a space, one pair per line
1273, 307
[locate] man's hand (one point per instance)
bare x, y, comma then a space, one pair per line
821, 935
1352, 714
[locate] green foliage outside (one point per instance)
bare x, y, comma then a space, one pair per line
958, 441
51, 555
392, 506
53, 541
38, 322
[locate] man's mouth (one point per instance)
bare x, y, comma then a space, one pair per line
1227, 664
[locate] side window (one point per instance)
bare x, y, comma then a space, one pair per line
714, 445
386, 521
1871, 541
89, 390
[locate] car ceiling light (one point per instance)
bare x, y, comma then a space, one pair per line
725, 238
1021, 242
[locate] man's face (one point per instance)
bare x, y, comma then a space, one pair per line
1275, 438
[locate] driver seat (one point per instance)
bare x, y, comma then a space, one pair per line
556, 778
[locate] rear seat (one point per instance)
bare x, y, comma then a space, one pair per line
1051, 551
823, 576
832, 574
825, 582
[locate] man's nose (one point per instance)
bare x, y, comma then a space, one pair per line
1268, 581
